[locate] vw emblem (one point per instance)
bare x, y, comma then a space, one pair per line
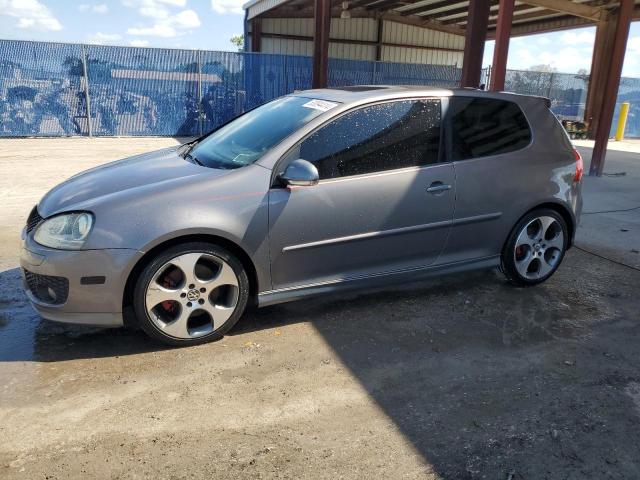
193, 294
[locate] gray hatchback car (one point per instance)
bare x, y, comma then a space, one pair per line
314, 192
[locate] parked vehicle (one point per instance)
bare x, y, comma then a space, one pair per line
576, 130
319, 191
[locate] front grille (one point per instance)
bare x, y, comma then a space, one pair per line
46, 288
34, 219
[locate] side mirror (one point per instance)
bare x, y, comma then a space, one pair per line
300, 173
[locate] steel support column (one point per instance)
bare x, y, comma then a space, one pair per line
87, 98
256, 35
501, 50
600, 64
474, 40
322, 20
379, 39
610, 92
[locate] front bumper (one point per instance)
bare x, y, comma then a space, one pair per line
96, 282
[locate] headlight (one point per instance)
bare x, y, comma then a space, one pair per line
66, 232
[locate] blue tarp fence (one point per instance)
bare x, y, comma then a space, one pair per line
56, 89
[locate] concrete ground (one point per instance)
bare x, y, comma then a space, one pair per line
460, 377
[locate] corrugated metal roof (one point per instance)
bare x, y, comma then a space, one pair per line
438, 14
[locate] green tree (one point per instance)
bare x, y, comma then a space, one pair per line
238, 41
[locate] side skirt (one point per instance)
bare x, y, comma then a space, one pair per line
288, 294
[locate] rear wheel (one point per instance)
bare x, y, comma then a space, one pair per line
535, 247
190, 294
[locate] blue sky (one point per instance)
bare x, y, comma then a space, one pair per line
203, 24
567, 51
209, 24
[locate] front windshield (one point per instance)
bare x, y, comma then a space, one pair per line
245, 139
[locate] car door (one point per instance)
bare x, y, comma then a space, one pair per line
486, 138
384, 202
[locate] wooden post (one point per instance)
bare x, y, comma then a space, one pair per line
610, 93
256, 35
322, 20
474, 41
501, 51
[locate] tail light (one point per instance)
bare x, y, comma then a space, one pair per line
579, 165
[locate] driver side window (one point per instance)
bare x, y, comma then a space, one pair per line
375, 138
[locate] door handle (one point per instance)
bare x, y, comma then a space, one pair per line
438, 187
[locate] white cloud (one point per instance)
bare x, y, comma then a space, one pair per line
167, 21
100, 8
154, 3
154, 31
228, 6
170, 26
100, 38
631, 63
30, 14
564, 60
578, 38
153, 12
139, 43
186, 19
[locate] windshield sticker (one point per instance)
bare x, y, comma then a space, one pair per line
321, 105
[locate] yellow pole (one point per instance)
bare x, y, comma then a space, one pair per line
622, 121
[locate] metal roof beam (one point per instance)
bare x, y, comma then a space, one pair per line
566, 6
463, 20
384, 4
420, 22
430, 7
360, 3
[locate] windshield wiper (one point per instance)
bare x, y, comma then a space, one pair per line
193, 159
187, 147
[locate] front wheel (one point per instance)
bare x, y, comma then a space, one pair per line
535, 247
191, 293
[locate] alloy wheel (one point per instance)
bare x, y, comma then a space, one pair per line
192, 295
538, 247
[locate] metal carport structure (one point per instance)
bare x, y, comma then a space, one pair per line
476, 21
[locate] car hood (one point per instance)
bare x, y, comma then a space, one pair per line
141, 171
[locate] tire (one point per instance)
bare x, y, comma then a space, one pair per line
190, 294
535, 247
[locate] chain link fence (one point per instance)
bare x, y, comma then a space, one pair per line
567, 92
55, 89
629, 91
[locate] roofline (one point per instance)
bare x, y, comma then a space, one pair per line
549, 22
253, 3
250, 3
395, 92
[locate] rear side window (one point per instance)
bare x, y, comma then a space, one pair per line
482, 126
376, 138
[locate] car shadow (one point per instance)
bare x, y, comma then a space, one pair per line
25, 336
484, 380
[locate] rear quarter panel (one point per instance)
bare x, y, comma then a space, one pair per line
511, 184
